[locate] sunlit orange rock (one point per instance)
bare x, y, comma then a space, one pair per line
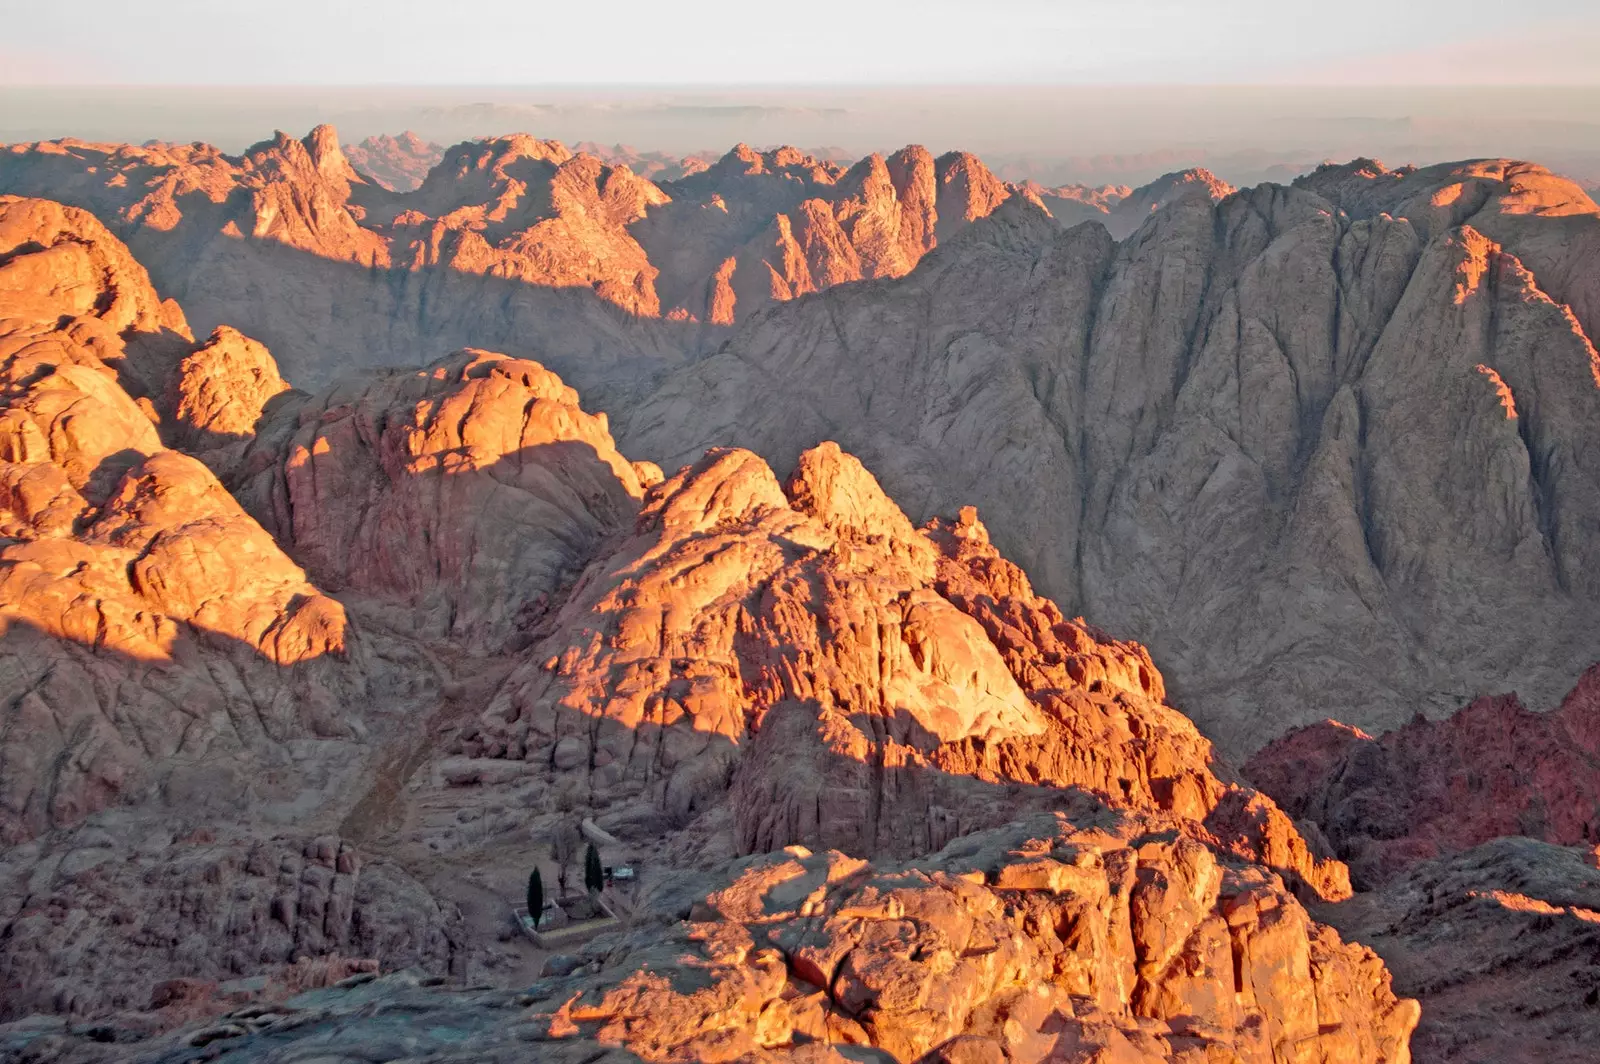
1136, 938
464, 496
859, 683
119, 553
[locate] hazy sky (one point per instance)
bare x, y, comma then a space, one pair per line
531, 42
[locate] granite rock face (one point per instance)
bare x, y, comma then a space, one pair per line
488, 241
464, 495
1047, 939
1433, 788
100, 923
856, 682
148, 620
1499, 943
221, 390
1327, 450
1087, 936
513, 238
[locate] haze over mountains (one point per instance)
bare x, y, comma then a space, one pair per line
1095, 133
369, 513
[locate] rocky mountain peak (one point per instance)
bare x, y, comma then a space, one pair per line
302, 683
328, 157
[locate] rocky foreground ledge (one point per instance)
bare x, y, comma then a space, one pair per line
1086, 935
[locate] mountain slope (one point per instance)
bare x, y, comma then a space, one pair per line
1433, 788
123, 559
529, 629
1268, 435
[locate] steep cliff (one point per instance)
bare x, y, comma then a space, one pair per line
1323, 456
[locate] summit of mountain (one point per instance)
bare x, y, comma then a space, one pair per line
1268, 434
712, 242
439, 592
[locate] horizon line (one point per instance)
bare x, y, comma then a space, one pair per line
763, 86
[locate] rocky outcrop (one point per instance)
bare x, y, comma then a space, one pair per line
858, 683
1267, 436
465, 495
1434, 788
758, 228
118, 555
1134, 209
133, 918
1048, 939
1083, 936
1499, 944
530, 211
398, 163
220, 391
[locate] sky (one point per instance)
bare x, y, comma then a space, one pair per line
819, 42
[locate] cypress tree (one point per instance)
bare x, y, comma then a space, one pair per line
535, 897
594, 878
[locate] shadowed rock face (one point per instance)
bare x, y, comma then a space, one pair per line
1433, 788
1325, 449
1499, 942
119, 555
91, 927
511, 236
464, 496
1082, 936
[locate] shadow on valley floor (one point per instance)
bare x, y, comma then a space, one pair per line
324, 318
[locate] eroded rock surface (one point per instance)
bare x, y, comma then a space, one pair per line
857, 683
512, 237
150, 920
465, 495
1501, 943
1084, 936
151, 626
1433, 788
1325, 449
221, 390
